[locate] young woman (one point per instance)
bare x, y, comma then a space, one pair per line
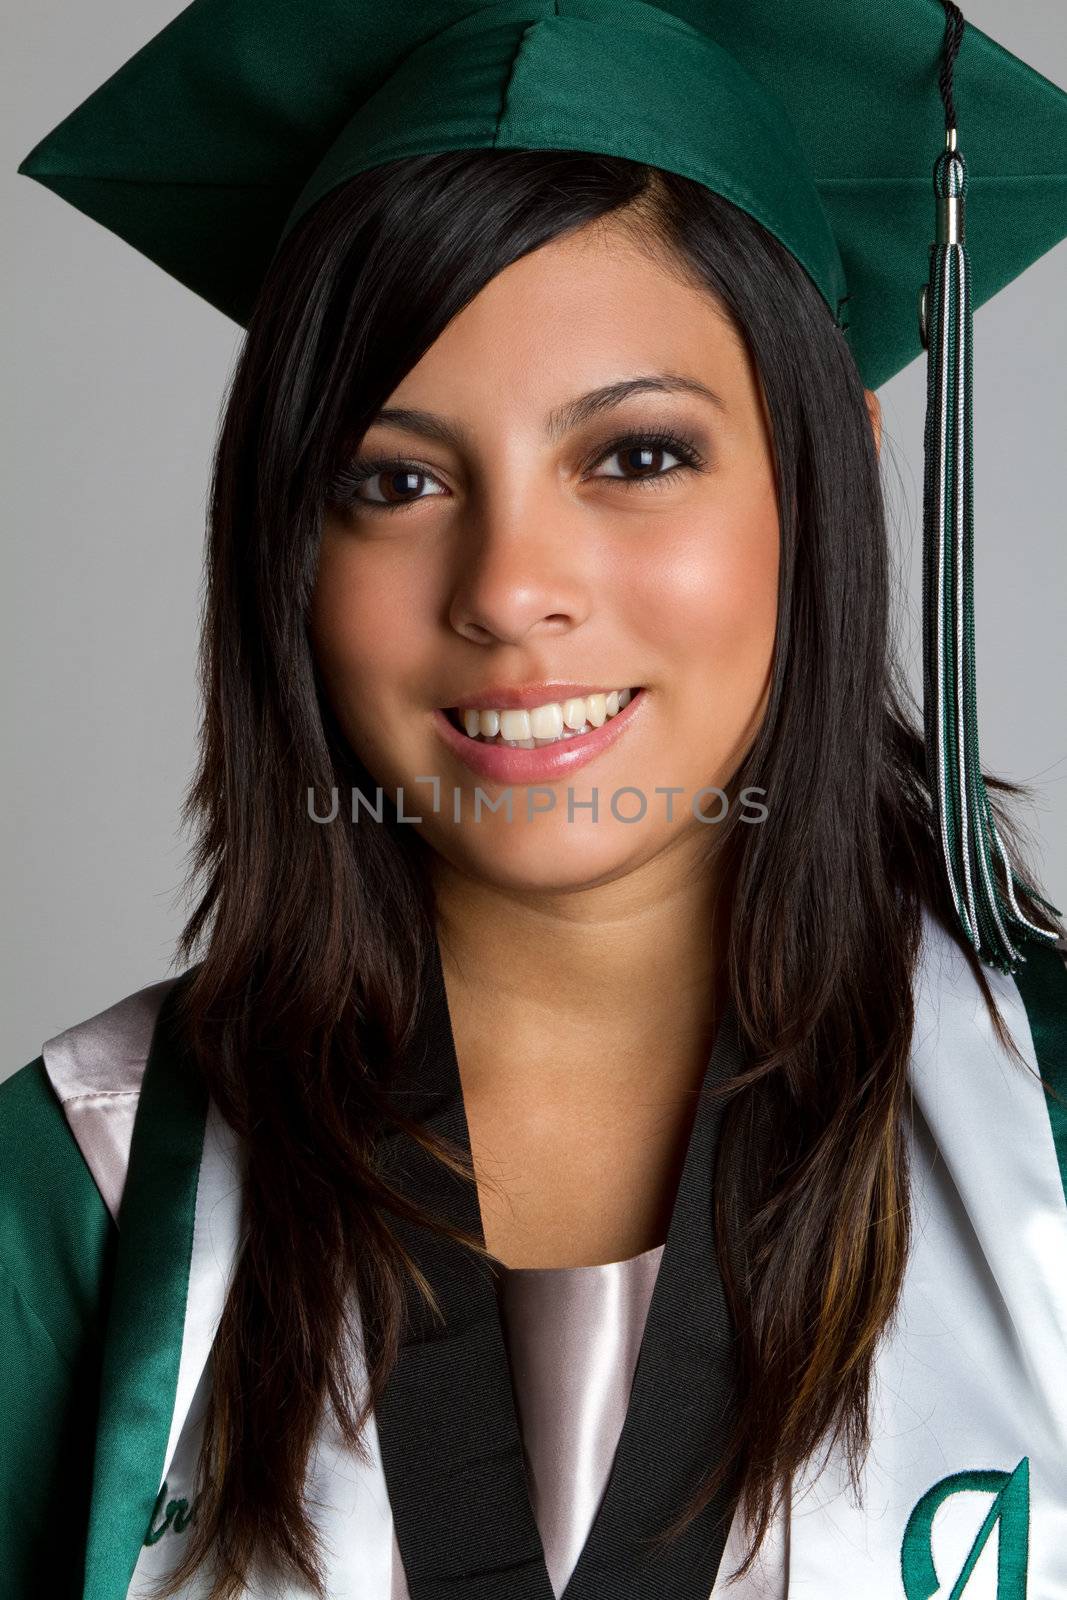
587, 1156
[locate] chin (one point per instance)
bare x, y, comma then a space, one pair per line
545, 856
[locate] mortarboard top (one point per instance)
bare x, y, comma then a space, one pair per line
820, 117
833, 122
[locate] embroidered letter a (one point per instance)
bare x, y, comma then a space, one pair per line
1010, 1508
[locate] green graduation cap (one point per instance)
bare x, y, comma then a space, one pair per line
832, 122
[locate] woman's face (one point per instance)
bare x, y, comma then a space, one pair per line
577, 498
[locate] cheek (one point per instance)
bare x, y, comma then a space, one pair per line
363, 621
710, 598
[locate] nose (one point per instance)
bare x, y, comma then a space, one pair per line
524, 571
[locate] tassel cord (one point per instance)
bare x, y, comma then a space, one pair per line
970, 846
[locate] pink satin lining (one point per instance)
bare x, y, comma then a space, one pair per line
573, 1336
96, 1069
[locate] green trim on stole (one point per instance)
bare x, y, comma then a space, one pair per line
57, 1252
1042, 983
147, 1313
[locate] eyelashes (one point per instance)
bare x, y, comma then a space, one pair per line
345, 488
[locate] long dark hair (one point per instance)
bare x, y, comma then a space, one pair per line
313, 936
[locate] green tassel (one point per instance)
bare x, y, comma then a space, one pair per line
970, 845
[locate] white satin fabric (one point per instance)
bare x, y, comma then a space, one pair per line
971, 1376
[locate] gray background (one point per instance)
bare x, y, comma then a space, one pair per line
114, 378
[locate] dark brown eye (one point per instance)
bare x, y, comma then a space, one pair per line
397, 486
641, 458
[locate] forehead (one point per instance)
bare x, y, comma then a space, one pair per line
593, 306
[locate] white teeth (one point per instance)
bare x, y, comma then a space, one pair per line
515, 725
598, 709
541, 725
546, 722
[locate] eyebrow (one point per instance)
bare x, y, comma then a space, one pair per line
565, 417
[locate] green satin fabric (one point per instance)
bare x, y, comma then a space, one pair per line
1042, 982
57, 1251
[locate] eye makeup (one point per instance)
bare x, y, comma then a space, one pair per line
344, 490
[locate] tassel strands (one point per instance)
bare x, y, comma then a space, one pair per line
966, 827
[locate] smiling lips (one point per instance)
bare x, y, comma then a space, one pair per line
508, 745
